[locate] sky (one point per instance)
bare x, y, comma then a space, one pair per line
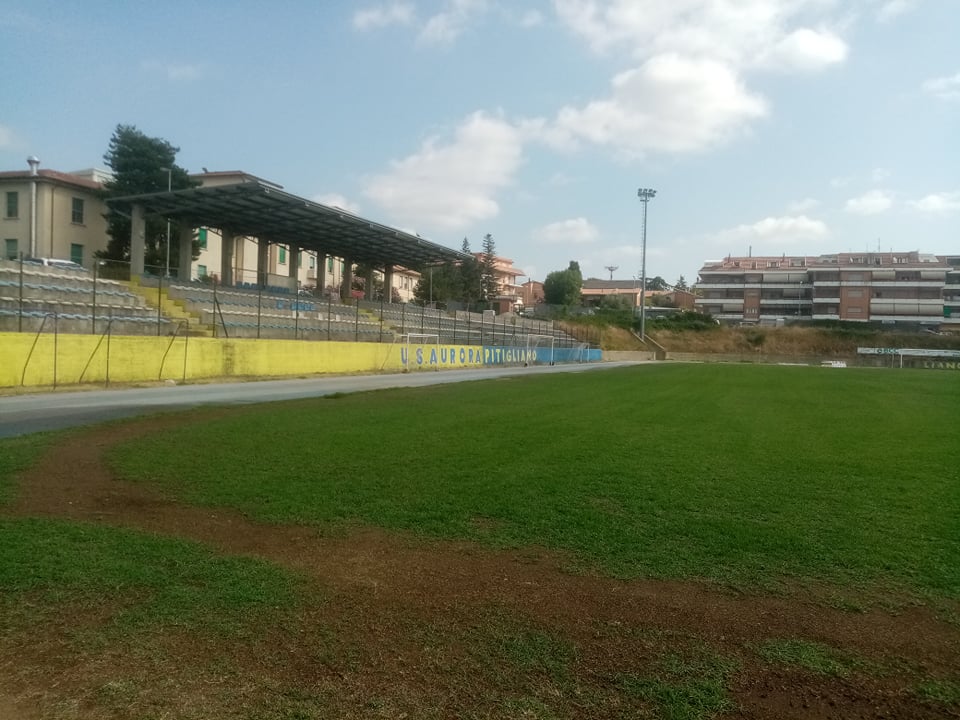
766, 126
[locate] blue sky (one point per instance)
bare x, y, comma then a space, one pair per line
785, 126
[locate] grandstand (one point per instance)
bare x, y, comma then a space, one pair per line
34, 297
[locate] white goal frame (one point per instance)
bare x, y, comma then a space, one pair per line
531, 346
409, 339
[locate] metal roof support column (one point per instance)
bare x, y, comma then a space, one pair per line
388, 283
347, 285
185, 266
321, 274
227, 246
368, 292
293, 266
263, 262
138, 230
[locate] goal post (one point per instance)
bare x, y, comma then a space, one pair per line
417, 347
540, 350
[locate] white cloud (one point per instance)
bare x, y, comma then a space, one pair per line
745, 33
448, 186
802, 206
807, 49
944, 88
669, 104
338, 201
7, 138
575, 231
530, 18
944, 203
775, 231
446, 26
880, 174
892, 9
870, 203
393, 13
839, 182
174, 72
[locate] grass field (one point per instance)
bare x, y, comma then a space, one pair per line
766, 480
738, 474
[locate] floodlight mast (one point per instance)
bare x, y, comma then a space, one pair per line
645, 195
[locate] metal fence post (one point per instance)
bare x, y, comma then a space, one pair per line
93, 325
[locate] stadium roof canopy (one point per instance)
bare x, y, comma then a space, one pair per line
262, 210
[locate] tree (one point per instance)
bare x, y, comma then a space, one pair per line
489, 285
471, 277
562, 287
681, 284
657, 283
139, 165
438, 283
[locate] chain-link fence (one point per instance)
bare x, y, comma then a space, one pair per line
36, 297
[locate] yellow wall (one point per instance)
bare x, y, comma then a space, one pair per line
83, 358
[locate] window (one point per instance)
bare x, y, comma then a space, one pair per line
329, 264
76, 211
313, 261
201, 271
202, 237
10, 248
282, 256
13, 205
76, 253
855, 293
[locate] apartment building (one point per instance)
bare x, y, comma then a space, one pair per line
951, 292
46, 213
892, 288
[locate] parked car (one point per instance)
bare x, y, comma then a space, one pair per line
55, 263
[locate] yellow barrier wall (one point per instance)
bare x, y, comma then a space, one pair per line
84, 358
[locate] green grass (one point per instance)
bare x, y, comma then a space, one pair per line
16, 455
945, 692
811, 656
685, 688
741, 474
147, 581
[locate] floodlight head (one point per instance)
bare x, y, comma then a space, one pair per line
646, 194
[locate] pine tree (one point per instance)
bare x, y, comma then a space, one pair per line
139, 164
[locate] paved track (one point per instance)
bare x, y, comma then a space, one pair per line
36, 412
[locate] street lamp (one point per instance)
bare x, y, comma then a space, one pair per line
645, 195
169, 172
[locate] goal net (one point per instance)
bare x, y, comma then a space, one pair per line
540, 350
420, 351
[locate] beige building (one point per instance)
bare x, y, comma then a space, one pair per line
895, 288
509, 294
51, 214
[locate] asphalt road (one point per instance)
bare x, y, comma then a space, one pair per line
37, 412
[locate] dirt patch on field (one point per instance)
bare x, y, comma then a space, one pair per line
406, 627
